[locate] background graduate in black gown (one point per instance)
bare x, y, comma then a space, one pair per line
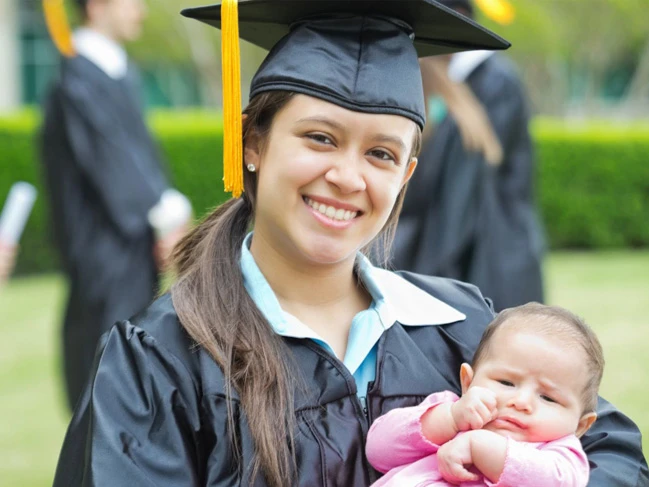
464, 217
103, 174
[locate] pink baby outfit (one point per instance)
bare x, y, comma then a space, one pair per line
396, 445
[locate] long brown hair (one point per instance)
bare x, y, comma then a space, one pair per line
476, 130
217, 312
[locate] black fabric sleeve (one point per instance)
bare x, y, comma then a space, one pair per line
506, 105
106, 156
137, 423
614, 449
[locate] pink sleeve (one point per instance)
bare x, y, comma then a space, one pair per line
396, 439
559, 463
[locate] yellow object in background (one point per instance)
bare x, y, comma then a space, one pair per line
58, 27
500, 11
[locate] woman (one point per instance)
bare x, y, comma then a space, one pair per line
276, 349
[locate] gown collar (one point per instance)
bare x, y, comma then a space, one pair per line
105, 53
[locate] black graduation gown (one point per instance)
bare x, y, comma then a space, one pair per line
155, 412
467, 220
103, 174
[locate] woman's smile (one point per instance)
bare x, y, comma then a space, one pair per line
331, 213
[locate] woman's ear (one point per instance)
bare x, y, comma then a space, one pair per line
251, 149
585, 423
412, 165
466, 377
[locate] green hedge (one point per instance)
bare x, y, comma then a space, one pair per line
593, 180
593, 183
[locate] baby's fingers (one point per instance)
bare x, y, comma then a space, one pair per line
456, 473
481, 416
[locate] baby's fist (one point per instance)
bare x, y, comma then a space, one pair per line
453, 459
474, 409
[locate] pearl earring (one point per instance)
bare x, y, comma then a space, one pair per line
251, 167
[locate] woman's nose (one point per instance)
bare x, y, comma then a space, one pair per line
346, 174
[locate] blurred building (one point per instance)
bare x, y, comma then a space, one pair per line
30, 61
10, 95
579, 85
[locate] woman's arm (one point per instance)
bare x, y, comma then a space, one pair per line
614, 448
137, 423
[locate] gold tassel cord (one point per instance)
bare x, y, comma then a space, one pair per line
232, 123
500, 11
58, 27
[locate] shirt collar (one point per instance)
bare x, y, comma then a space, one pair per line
405, 302
105, 53
464, 63
394, 298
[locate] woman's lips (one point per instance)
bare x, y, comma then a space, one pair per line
331, 216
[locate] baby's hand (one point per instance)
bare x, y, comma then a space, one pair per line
474, 409
453, 457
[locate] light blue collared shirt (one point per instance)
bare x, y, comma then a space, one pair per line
393, 299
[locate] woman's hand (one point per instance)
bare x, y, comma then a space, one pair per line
474, 409
7, 261
164, 247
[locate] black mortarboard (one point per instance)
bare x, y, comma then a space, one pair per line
358, 54
455, 4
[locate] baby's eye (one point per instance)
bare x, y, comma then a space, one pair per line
506, 383
381, 155
547, 398
320, 138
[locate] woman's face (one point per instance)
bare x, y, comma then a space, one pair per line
328, 178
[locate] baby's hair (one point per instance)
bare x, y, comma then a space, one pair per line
552, 321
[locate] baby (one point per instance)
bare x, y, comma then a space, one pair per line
530, 394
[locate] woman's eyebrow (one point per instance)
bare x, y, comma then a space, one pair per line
379, 138
390, 139
323, 120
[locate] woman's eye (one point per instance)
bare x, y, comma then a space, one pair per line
547, 398
320, 138
506, 383
382, 155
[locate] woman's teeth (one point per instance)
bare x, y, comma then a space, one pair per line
330, 211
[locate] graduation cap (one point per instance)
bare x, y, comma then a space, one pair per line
359, 54
455, 4
500, 11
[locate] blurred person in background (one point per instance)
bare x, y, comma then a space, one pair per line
105, 177
470, 215
7, 261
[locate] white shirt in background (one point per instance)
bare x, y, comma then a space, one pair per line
464, 63
102, 51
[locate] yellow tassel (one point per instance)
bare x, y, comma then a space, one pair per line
500, 11
232, 124
57, 25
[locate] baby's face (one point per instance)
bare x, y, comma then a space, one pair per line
538, 382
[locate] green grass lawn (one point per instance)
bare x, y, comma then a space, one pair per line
611, 290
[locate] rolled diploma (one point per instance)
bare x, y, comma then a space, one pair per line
16, 212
